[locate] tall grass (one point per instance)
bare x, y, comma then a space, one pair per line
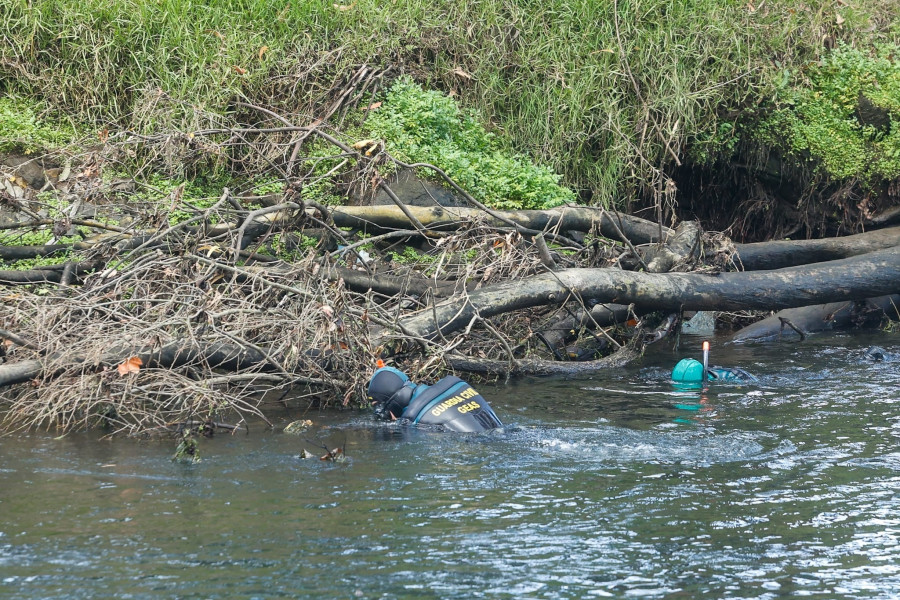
604, 91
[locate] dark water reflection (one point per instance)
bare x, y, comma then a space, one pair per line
614, 486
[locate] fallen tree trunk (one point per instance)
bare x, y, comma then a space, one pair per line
821, 317
780, 254
566, 327
52, 274
579, 218
866, 276
682, 247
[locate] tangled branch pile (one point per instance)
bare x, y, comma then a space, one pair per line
181, 309
248, 303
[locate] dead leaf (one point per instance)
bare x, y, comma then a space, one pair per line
344, 7
102, 136
327, 311
363, 144
216, 33
461, 73
132, 365
262, 51
332, 454
239, 70
372, 106
18, 181
839, 19
67, 170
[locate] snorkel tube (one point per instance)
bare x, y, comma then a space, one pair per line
705, 364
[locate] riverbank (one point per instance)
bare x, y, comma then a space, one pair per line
624, 99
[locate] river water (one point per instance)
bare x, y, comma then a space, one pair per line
612, 486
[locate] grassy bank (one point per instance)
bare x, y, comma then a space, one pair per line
604, 92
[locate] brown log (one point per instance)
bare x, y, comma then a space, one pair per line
857, 278
390, 285
531, 366
566, 326
229, 357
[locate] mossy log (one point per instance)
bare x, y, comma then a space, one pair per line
578, 218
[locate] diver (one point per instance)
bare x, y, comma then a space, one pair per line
691, 371
451, 403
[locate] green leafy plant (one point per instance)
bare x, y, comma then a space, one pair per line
427, 126
411, 256
188, 450
195, 194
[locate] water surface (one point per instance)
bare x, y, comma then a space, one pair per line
618, 486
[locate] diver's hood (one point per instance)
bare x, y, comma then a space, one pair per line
390, 390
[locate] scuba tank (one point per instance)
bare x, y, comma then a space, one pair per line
451, 403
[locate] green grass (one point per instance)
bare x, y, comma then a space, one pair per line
552, 79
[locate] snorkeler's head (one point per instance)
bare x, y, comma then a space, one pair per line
688, 370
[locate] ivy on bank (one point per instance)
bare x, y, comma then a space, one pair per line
22, 130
